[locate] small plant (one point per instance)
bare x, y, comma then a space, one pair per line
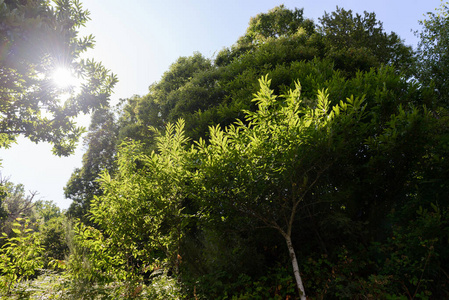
20, 256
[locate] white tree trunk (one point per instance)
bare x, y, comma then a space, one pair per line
299, 284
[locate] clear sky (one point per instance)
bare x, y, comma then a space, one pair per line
139, 39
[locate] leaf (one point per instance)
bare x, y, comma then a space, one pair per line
17, 231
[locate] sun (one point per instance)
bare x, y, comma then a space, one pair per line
63, 78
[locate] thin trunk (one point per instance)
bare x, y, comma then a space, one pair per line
299, 284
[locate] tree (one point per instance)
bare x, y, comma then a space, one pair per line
37, 38
16, 204
277, 22
52, 232
282, 43
359, 42
100, 155
141, 208
269, 168
433, 54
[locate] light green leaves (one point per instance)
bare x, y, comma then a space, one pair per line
20, 256
141, 210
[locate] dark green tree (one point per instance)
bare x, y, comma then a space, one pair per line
100, 156
281, 42
433, 53
359, 42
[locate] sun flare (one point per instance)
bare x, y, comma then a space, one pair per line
63, 78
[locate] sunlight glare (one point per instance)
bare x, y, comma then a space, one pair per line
63, 78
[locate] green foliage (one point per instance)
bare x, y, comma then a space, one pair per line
254, 167
145, 200
399, 268
16, 204
268, 168
46, 210
99, 268
37, 38
410, 256
100, 155
93, 259
20, 256
359, 42
432, 54
277, 284
276, 151
281, 43
349, 170
163, 287
53, 240
3, 195
205, 92
278, 22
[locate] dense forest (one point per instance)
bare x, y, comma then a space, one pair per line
306, 161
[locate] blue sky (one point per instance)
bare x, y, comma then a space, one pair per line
139, 39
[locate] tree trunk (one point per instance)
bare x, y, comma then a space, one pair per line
299, 284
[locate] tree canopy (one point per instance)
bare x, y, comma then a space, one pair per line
432, 54
360, 41
36, 39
